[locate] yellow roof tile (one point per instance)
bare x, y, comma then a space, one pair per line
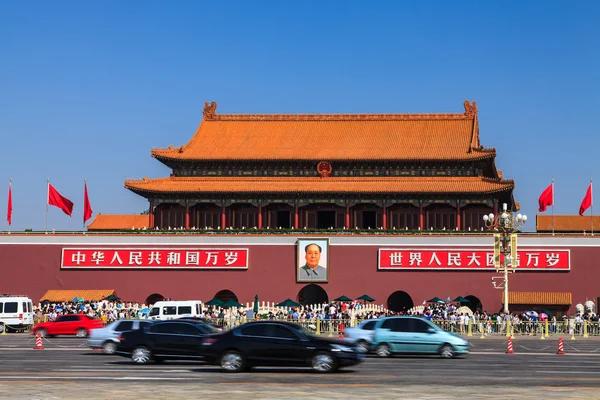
118, 222
567, 223
68, 295
539, 298
322, 137
361, 184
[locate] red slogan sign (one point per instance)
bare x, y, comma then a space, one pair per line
192, 258
465, 259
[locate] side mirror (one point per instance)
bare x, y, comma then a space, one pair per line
430, 330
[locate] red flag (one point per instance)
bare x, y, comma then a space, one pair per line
587, 200
547, 198
87, 207
9, 211
55, 199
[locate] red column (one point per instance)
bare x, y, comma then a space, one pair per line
151, 215
347, 216
223, 220
421, 219
458, 215
259, 216
384, 219
296, 216
187, 216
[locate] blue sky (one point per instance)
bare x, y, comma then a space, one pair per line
88, 88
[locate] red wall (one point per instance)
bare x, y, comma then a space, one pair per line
31, 269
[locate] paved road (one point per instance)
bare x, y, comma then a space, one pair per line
66, 369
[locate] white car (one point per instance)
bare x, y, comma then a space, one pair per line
107, 338
16, 313
361, 335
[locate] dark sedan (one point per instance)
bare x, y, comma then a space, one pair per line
273, 343
206, 321
166, 340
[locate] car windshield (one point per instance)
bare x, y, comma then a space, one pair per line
304, 331
436, 327
155, 311
210, 328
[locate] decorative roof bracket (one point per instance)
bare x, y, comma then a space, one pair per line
210, 110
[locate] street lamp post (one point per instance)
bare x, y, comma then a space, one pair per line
505, 243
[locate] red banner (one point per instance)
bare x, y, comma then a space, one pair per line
468, 259
155, 258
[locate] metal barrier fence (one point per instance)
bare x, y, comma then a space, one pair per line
522, 328
480, 328
333, 327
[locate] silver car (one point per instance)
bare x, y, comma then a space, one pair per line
361, 335
107, 338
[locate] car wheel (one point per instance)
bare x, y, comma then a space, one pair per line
42, 332
447, 351
1, 328
362, 346
141, 355
383, 350
109, 347
81, 333
232, 361
323, 362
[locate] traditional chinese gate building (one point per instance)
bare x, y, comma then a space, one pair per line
402, 171
320, 171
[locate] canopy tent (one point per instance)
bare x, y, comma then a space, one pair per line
232, 303
288, 303
214, 302
435, 300
366, 297
343, 298
460, 300
58, 296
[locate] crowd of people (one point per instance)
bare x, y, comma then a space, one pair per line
106, 310
457, 318
452, 317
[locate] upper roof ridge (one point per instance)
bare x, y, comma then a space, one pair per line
210, 114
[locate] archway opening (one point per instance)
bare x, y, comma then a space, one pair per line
312, 294
153, 298
474, 303
399, 301
226, 295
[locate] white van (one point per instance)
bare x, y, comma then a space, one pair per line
16, 313
165, 310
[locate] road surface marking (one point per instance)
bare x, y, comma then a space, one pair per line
300, 384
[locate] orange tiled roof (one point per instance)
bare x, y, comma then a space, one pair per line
539, 298
69, 295
322, 137
112, 222
319, 185
566, 223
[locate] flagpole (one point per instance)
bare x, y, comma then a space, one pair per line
552, 206
10, 191
47, 198
84, 187
592, 206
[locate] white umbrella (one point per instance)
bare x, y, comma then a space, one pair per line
464, 310
417, 310
532, 313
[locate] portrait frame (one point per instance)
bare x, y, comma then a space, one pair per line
321, 272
